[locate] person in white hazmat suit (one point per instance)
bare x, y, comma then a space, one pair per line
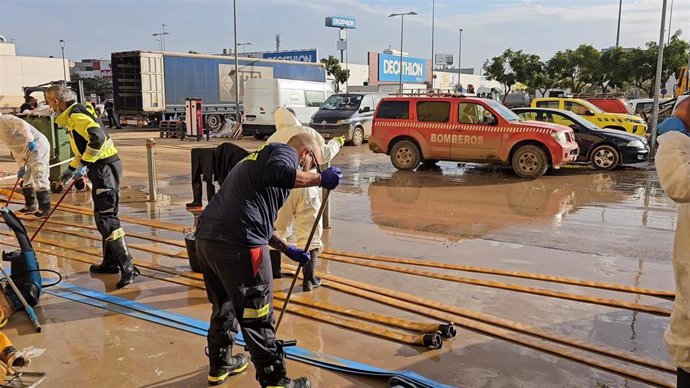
31, 149
673, 165
302, 205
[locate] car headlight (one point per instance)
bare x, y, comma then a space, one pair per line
560, 137
342, 121
635, 144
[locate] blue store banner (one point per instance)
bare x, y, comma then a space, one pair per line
413, 69
298, 56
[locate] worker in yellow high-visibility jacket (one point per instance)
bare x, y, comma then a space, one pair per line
95, 155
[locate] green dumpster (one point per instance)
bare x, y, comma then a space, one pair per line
60, 152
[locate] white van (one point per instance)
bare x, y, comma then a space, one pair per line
263, 96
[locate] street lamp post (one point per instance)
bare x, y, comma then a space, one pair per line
160, 37
238, 115
618, 30
64, 69
459, 55
244, 45
402, 27
433, 60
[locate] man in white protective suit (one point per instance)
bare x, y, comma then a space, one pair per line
301, 208
31, 150
673, 165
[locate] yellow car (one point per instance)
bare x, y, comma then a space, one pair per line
621, 122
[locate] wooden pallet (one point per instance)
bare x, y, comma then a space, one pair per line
172, 129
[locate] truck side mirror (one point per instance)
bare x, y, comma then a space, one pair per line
588, 112
365, 109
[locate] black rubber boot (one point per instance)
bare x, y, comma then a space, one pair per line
108, 265
222, 365
128, 272
274, 375
43, 197
275, 264
197, 191
29, 200
683, 379
311, 281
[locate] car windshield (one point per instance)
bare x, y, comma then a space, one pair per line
506, 113
342, 102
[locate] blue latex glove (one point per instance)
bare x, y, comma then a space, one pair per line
21, 172
330, 178
298, 255
80, 172
31, 146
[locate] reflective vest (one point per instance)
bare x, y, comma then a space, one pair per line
88, 138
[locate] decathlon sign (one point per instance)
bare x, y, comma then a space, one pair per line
341, 22
413, 69
297, 55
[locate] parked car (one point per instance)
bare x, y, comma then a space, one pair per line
604, 149
425, 129
622, 122
347, 114
640, 105
612, 105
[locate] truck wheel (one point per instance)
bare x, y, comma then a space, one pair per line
357, 137
529, 161
213, 122
259, 137
604, 157
405, 155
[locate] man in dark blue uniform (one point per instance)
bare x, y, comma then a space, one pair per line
232, 237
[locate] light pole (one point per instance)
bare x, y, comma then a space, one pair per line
402, 27
243, 46
238, 116
618, 30
161, 39
657, 81
64, 69
670, 19
433, 60
459, 56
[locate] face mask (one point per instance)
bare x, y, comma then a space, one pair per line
305, 163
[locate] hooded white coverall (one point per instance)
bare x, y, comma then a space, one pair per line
673, 165
16, 134
302, 205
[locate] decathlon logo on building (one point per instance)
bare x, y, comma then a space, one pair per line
299, 55
413, 69
457, 139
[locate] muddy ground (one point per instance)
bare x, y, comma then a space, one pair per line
614, 227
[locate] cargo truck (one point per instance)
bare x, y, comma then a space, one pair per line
153, 85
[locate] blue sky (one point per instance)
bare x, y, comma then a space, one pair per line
95, 28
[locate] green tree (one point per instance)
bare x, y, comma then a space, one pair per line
95, 85
332, 65
510, 68
541, 79
576, 68
613, 70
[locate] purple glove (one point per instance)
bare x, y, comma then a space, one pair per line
298, 255
330, 178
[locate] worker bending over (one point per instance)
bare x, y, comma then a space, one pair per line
95, 156
31, 150
302, 205
673, 165
232, 237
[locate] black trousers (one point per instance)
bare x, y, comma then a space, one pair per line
239, 284
202, 166
112, 119
105, 193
